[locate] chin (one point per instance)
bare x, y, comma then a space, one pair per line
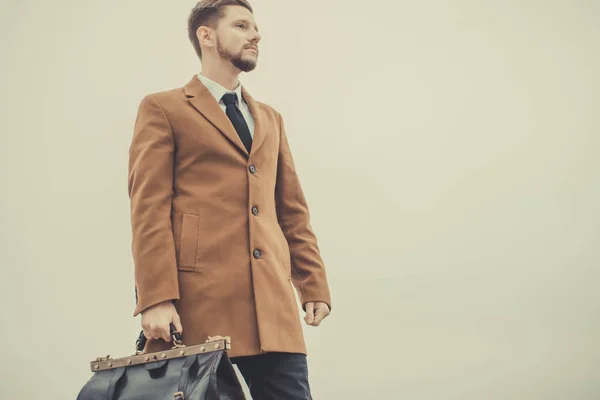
250, 59
246, 65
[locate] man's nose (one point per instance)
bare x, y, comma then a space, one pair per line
255, 38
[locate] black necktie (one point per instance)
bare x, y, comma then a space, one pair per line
237, 119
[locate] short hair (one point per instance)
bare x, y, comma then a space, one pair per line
209, 13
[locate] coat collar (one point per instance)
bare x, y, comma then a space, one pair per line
203, 101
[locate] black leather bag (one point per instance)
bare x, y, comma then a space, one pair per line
199, 372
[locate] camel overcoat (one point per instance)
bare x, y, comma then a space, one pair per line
223, 233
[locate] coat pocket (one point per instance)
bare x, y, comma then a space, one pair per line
188, 242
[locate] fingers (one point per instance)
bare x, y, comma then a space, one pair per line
147, 333
321, 312
316, 312
156, 321
157, 331
310, 313
165, 332
151, 331
177, 323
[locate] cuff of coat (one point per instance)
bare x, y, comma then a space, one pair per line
152, 299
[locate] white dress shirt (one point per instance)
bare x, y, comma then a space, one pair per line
218, 91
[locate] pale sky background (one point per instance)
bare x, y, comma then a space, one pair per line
449, 152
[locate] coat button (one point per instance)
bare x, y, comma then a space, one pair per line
257, 254
255, 210
252, 169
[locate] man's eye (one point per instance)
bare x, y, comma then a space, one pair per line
240, 25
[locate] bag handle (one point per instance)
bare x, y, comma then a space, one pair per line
140, 343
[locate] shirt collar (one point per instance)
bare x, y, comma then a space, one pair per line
217, 90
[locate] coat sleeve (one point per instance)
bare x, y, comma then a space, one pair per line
150, 186
308, 272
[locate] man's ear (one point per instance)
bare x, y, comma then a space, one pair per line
205, 36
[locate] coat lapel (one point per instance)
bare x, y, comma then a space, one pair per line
259, 121
203, 101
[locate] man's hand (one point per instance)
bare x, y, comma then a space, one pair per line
156, 321
316, 312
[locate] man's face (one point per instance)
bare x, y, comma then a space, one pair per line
237, 38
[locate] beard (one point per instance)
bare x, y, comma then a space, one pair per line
245, 65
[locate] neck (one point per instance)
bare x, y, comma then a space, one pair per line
222, 72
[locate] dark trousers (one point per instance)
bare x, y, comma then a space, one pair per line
270, 376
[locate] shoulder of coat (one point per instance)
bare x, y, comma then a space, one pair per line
270, 110
166, 97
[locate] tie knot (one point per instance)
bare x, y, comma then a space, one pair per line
229, 99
